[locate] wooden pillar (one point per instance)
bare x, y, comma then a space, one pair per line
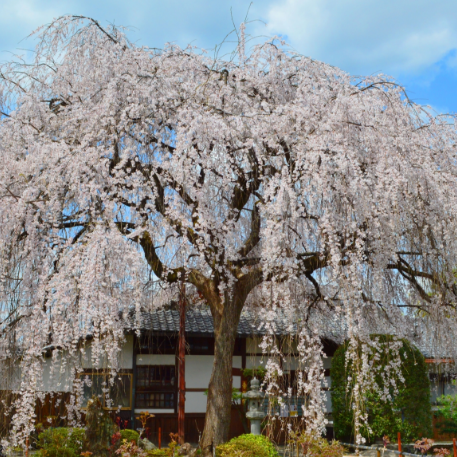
243, 353
135, 352
454, 446
399, 443
182, 363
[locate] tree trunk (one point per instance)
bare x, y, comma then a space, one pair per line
218, 409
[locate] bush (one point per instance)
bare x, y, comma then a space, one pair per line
247, 446
409, 413
447, 413
258, 372
61, 442
99, 428
130, 450
129, 435
316, 445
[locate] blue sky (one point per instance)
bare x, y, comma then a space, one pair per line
415, 41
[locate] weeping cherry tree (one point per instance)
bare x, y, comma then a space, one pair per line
269, 178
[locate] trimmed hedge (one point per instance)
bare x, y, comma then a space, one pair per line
409, 413
247, 446
61, 442
129, 435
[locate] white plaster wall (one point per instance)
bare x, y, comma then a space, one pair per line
198, 374
126, 361
198, 371
290, 363
86, 358
59, 381
195, 402
125, 356
237, 361
57, 375
10, 378
254, 361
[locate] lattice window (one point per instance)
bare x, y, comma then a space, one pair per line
114, 395
155, 386
155, 400
155, 376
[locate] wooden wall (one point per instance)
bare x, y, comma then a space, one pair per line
194, 424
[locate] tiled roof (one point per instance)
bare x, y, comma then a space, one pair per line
200, 322
167, 321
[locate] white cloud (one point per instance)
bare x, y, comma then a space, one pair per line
153, 22
360, 36
18, 19
24, 12
365, 36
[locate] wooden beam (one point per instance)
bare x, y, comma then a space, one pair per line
439, 360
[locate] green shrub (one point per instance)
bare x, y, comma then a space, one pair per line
170, 451
62, 441
447, 413
409, 413
258, 372
129, 435
247, 446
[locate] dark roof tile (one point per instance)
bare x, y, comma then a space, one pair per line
199, 321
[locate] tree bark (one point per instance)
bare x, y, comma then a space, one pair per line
226, 316
219, 405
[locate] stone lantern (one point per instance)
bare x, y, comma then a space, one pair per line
255, 400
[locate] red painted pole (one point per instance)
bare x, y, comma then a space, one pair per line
182, 364
399, 444
160, 438
27, 447
455, 447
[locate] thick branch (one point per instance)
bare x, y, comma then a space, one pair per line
254, 236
